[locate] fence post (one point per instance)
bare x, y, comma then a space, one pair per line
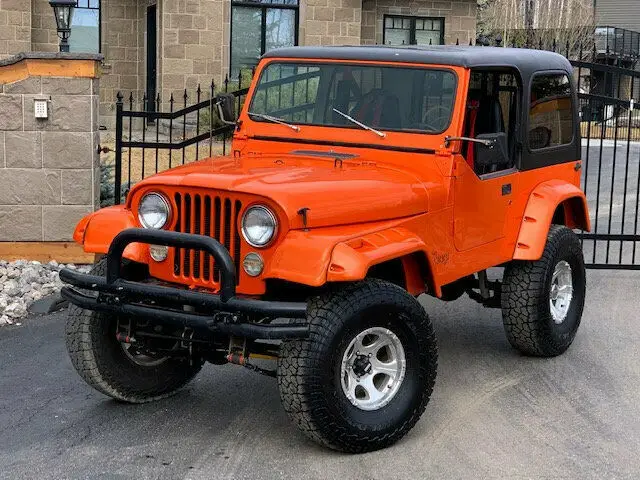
118, 172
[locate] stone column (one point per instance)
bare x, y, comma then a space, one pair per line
49, 168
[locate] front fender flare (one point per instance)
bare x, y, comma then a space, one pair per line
538, 215
338, 256
96, 231
352, 259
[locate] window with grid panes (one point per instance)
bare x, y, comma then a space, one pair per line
259, 26
405, 30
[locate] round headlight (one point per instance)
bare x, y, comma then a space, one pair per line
259, 226
153, 211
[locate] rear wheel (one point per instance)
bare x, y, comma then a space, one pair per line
542, 301
363, 378
126, 372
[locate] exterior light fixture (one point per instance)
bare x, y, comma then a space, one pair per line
63, 11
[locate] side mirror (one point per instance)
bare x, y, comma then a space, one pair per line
493, 150
539, 137
226, 105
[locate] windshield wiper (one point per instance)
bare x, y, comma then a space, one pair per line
366, 127
276, 120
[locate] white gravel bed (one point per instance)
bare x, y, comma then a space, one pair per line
23, 282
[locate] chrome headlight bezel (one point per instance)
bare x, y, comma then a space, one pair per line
270, 215
167, 210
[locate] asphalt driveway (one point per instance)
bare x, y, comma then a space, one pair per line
494, 413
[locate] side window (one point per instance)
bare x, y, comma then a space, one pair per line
492, 107
550, 112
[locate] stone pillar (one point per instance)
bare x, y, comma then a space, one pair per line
49, 168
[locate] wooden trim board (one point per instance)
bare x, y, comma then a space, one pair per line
61, 252
48, 68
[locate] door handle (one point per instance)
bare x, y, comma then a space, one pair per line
506, 189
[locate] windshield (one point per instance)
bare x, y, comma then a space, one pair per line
385, 98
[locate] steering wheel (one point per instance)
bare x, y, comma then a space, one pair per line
436, 118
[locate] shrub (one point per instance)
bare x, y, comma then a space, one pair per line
107, 186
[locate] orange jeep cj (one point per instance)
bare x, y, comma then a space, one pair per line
360, 178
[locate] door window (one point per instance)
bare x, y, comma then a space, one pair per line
492, 107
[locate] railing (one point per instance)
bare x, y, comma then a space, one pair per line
614, 41
148, 142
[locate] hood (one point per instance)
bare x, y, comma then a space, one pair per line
334, 192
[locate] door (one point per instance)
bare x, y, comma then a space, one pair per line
481, 207
152, 59
484, 193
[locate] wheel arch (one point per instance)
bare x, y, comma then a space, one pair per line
396, 255
552, 202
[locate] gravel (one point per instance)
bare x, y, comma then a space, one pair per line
23, 282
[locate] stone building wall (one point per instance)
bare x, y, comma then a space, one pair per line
15, 27
123, 28
193, 37
49, 169
195, 45
44, 37
459, 17
330, 22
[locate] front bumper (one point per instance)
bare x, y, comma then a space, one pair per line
223, 313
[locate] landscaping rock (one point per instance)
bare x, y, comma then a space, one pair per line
23, 282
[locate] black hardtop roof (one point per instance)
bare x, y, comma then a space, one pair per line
525, 60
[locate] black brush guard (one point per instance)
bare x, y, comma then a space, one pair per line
225, 312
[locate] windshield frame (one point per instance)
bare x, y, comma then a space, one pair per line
313, 62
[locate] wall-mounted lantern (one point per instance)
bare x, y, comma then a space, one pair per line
63, 11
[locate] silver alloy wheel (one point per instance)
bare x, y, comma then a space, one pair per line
561, 291
140, 358
373, 367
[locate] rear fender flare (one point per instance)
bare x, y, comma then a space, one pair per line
543, 202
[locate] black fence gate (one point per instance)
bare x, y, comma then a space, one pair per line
610, 124
149, 140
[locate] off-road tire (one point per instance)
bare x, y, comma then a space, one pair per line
101, 361
525, 295
309, 369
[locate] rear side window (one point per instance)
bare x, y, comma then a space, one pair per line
551, 112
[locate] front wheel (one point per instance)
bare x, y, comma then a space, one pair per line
363, 378
542, 300
121, 371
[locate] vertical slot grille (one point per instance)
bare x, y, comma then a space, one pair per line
212, 215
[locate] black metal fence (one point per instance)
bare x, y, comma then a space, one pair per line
151, 141
610, 124
617, 41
